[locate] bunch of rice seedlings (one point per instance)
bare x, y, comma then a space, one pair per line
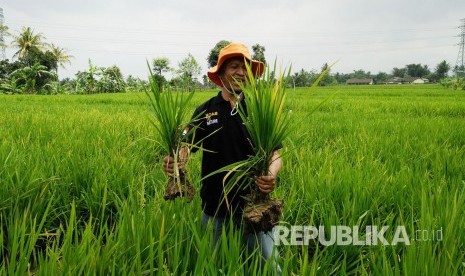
170, 112
268, 125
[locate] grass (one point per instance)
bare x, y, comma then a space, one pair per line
82, 188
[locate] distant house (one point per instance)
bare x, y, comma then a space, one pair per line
359, 81
397, 80
420, 81
406, 80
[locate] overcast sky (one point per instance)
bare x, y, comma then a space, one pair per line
359, 34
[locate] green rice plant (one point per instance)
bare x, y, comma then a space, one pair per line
374, 155
170, 111
266, 120
268, 126
23, 232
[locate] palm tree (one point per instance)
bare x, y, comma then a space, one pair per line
61, 56
26, 40
3, 32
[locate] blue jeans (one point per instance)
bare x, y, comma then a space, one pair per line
264, 241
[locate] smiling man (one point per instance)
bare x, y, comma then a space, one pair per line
225, 140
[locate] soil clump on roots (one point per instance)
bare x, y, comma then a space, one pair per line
182, 189
262, 213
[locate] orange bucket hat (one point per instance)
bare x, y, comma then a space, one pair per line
230, 51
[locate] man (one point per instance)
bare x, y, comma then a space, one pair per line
225, 141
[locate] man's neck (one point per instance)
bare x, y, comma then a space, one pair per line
230, 97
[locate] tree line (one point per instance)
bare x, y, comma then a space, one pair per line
35, 64
304, 78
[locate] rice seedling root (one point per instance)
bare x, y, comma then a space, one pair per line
264, 214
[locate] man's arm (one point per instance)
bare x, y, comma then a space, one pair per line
266, 183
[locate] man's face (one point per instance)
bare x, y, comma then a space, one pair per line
233, 71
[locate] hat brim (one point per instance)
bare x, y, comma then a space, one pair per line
258, 68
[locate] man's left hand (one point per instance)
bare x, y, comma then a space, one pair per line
265, 183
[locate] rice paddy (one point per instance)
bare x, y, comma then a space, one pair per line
82, 186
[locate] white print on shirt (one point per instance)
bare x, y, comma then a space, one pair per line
214, 121
209, 118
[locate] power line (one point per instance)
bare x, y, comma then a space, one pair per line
157, 41
103, 34
195, 32
202, 44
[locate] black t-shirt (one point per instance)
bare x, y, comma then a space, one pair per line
225, 140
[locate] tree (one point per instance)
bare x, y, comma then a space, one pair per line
11, 86
360, 74
32, 77
258, 52
26, 40
87, 80
417, 70
61, 56
47, 59
189, 69
302, 78
13, 75
399, 72
136, 84
381, 77
327, 78
441, 70
212, 58
100, 80
160, 66
207, 83
7, 67
3, 33
111, 80
341, 77
35, 55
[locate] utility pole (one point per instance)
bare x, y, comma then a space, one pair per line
459, 64
2, 35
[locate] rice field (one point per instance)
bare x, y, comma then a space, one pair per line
82, 186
